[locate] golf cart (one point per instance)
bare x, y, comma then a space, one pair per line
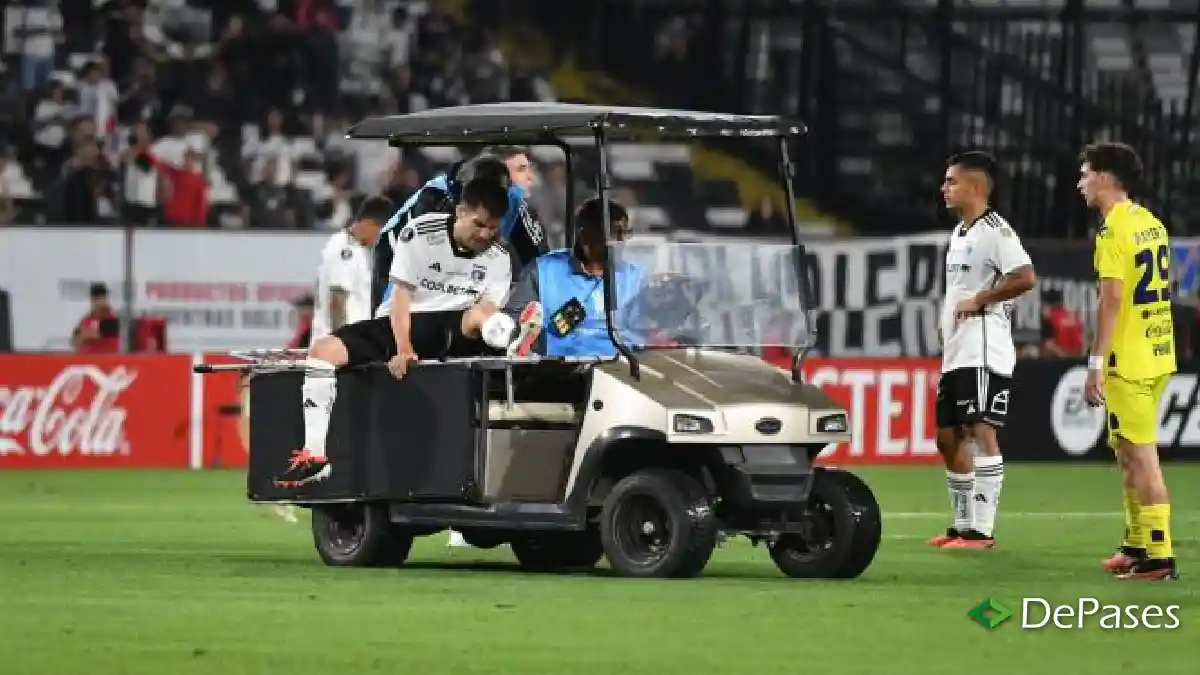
648, 459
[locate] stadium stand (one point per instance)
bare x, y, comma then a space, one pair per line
105, 103
891, 88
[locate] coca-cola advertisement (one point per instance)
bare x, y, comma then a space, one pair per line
99, 411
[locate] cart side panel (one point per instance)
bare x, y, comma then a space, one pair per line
423, 434
277, 430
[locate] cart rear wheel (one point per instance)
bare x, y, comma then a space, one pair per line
358, 535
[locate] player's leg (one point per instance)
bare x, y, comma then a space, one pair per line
952, 443
1134, 421
284, 511
1133, 546
988, 462
356, 343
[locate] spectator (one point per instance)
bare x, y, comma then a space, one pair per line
335, 212
51, 119
272, 205
186, 200
140, 100
140, 204
10, 183
87, 180
305, 306
275, 149
318, 21
150, 73
1062, 331
99, 331
39, 30
98, 98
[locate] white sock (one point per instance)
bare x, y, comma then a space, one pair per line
318, 394
989, 476
961, 486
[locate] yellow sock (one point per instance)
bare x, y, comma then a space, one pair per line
1156, 524
1135, 535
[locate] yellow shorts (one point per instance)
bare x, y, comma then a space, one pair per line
1133, 408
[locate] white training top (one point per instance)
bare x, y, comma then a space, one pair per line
444, 279
978, 256
346, 266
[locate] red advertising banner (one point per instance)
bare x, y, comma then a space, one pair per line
94, 411
891, 407
78, 411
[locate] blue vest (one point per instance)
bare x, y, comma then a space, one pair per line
559, 280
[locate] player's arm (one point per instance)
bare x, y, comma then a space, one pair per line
337, 308
1015, 266
341, 279
401, 316
1110, 268
526, 290
404, 276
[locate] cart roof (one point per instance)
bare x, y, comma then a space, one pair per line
525, 123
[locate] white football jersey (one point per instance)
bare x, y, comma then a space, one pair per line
345, 265
978, 256
442, 278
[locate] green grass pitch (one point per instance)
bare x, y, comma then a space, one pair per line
173, 573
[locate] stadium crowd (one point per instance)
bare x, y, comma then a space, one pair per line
228, 114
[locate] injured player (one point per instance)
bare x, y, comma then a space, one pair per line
448, 279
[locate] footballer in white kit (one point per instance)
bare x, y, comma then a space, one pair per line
448, 279
344, 276
987, 268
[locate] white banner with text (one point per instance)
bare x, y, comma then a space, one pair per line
221, 290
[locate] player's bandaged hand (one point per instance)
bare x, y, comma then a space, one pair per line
497, 330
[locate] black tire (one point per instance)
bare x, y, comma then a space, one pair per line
843, 531
868, 531
558, 551
658, 523
358, 535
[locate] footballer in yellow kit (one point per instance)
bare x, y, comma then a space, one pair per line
1133, 352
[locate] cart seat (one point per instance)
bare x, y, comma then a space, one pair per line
528, 411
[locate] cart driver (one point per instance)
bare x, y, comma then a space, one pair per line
568, 285
448, 278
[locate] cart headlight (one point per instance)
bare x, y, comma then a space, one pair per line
832, 424
691, 424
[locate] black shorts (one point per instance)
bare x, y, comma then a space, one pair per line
971, 396
434, 335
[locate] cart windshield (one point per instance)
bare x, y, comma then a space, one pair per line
720, 295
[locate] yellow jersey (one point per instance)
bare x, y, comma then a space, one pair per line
1133, 247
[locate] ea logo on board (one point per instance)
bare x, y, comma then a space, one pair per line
1077, 425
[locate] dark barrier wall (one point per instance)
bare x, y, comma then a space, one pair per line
1051, 421
6, 339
